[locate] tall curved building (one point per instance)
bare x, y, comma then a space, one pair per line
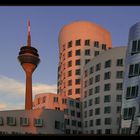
131, 97
79, 42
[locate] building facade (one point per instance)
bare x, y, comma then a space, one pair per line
79, 42
131, 97
39, 121
70, 107
102, 88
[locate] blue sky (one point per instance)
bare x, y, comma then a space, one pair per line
46, 22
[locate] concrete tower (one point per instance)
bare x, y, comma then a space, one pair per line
29, 59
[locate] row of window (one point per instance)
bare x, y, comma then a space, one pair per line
128, 113
107, 121
134, 70
107, 87
99, 131
86, 43
135, 47
107, 110
73, 123
11, 121
77, 91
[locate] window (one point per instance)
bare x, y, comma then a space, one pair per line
72, 113
66, 111
44, 99
97, 89
57, 124
70, 92
87, 52
77, 81
98, 121
69, 73
87, 60
78, 42
119, 62
107, 87
86, 73
77, 91
69, 44
38, 100
79, 124
119, 74
98, 67
128, 113
107, 64
90, 112
96, 53
97, 78
107, 131
134, 70
91, 81
77, 62
118, 109
107, 121
135, 47
24, 121
97, 100
132, 92
77, 72
69, 82
96, 44
78, 52
85, 114
125, 130
71, 103
78, 114
119, 86
55, 99
107, 98
85, 94
69, 63
70, 54
11, 121
87, 42
90, 91
64, 101
118, 98
38, 122
85, 104
97, 111
89, 102
77, 105
103, 46
90, 123
86, 123
99, 131
107, 109
85, 83
1, 121
107, 75
91, 70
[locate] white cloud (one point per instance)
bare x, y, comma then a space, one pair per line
12, 92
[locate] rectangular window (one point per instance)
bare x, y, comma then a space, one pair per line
55, 99
77, 81
107, 64
118, 109
90, 112
107, 121
97, 89
85, 84
72, 113
119, 62
1, 121
97, 78
87, 60
70, 92
78, 42
99, 131
85, 114
78, 114
98, 121
78, 52
107, 75
69, 44
87, 42
119, 86
119, 74
44, 99
97, 111
69, 82
85, 93
90, 91
103, 46
108, 131
98, 67
86, 123
96, 53
107, 98
128, 113
69, 73
90, 123
77, 62
57, 124
91, 70
90, 102
77, 72
107, 87
79, 124
24, 121
91, 81
118, 98
85, 104
70, 54
77, 105
77, 91
38, 122
71, 103
96, 44
87, 52
69, 63
134, 70
97, 100
107, 110
132, 92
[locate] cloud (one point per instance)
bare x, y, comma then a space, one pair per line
12, 92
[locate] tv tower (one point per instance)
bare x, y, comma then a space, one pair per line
29, 59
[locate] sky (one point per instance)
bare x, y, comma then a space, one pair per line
46, 23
